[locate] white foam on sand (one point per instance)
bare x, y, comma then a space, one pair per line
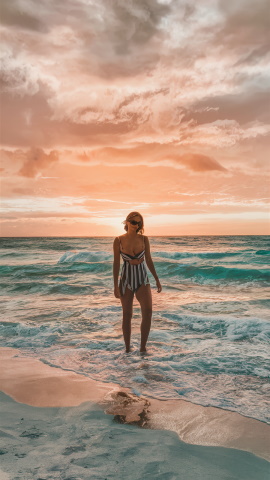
70, 437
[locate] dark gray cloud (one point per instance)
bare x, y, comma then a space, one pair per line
243, 107
127, 39
246, 26
116, 38
17, 14
129, 23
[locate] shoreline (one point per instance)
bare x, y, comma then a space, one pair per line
29, 381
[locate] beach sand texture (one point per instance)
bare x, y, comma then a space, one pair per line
69, 435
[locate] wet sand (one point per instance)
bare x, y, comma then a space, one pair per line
74, 434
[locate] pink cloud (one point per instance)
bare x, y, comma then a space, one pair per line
118, 96
36, 161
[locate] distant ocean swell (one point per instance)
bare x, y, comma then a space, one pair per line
101, 263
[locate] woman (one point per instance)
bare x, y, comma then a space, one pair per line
134, 246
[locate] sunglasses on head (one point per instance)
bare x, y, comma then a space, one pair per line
133, 222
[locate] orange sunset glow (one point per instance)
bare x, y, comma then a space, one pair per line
155, 106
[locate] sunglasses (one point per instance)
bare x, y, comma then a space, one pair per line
133, 222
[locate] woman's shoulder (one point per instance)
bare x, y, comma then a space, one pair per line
118, 238
146, 242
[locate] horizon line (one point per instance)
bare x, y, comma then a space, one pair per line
158, 236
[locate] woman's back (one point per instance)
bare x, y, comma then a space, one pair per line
134, 272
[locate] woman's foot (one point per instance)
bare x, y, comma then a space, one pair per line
143, 350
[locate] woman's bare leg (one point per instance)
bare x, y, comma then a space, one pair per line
144, 297
127, 305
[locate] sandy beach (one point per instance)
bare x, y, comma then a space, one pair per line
58, 421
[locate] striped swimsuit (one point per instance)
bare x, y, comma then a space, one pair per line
132, 276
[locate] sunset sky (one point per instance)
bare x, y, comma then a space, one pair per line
157, 106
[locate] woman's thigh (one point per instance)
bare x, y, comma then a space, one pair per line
144, 297
127, 301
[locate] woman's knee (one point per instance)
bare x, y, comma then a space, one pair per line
147, 311
127, 315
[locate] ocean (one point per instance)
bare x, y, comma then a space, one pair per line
209, 339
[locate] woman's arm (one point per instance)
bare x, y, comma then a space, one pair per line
116, 261
148, 258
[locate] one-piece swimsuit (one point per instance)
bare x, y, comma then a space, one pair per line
132, 276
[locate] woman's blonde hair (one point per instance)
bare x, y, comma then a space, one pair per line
140, 228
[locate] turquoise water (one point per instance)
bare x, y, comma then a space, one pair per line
209, 341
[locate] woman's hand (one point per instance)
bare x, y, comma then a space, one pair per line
116, 291
159, 287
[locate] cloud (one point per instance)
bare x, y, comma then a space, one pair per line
254, 56
242, 107
119, 95
199, 163
127, 27
115, 38
245, 25
18, 76
126, 72
37, 161
113, 105
152, 155
19, 14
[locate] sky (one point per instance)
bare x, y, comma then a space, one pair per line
155, 106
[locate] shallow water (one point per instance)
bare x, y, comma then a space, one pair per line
209, 341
